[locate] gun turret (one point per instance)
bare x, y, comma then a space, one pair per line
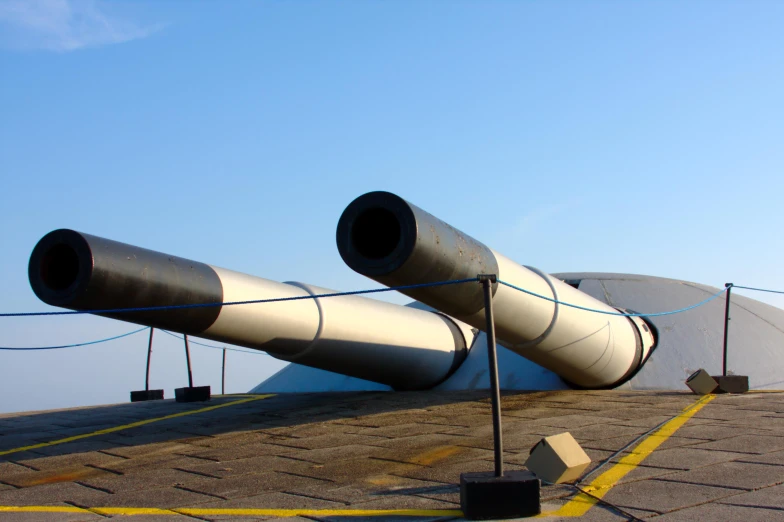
403, 347
394, 242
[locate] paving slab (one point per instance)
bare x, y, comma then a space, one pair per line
738, 475
239, 467
770, 497
252, 484
51, 494
662, 496
755, 444
686, 458
339, 453
159, 497
140, 480
775, 458
716, 512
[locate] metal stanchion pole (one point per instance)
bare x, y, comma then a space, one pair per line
188, 359
223, 374
487, 495
149, 355
728, 286
498, 446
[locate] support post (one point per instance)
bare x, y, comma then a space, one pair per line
498, 446
728, 286
497, 495
191, 393
188, 360
729, 383
147, 394
223, 374
149, 356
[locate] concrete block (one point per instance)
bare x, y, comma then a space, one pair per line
701, 383
732, 383
146, 395
483, 496
194, 394
557, 459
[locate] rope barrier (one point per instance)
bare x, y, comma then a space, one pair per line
233, 303
78, 344
212, 345
334, 294
758, 289
605, 312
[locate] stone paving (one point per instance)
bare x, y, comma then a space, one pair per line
373, 451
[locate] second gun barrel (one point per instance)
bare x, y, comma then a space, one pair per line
384, 237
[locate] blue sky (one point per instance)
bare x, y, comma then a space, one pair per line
637, 137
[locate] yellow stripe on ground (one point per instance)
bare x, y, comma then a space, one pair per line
602, 485
41, 509
133, 425
131, 511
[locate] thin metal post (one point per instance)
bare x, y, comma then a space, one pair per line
728, 286
223, 374
188, 358
149, 355
495, 390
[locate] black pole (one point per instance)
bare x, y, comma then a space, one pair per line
188, 358
495, 390
149, 355
223, 374
728, 286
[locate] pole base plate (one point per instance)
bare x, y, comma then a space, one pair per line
146, 395
732, 383
483, 496
192, 394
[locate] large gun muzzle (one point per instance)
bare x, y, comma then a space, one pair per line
403, 347
386, 238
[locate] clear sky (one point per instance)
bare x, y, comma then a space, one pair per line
637, 137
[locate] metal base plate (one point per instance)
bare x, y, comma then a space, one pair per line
483, 496
146, 395
194, 394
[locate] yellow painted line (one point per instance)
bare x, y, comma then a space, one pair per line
133, 425
132, 511
41, 509
600, 486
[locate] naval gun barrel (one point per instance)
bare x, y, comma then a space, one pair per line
406, 348
396, 243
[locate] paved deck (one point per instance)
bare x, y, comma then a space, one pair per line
366, 452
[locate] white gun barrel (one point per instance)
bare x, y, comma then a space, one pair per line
386, 238
406, 348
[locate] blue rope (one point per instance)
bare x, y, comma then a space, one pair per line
232, 303
79, 344
758, 289
605, 312
212, 345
